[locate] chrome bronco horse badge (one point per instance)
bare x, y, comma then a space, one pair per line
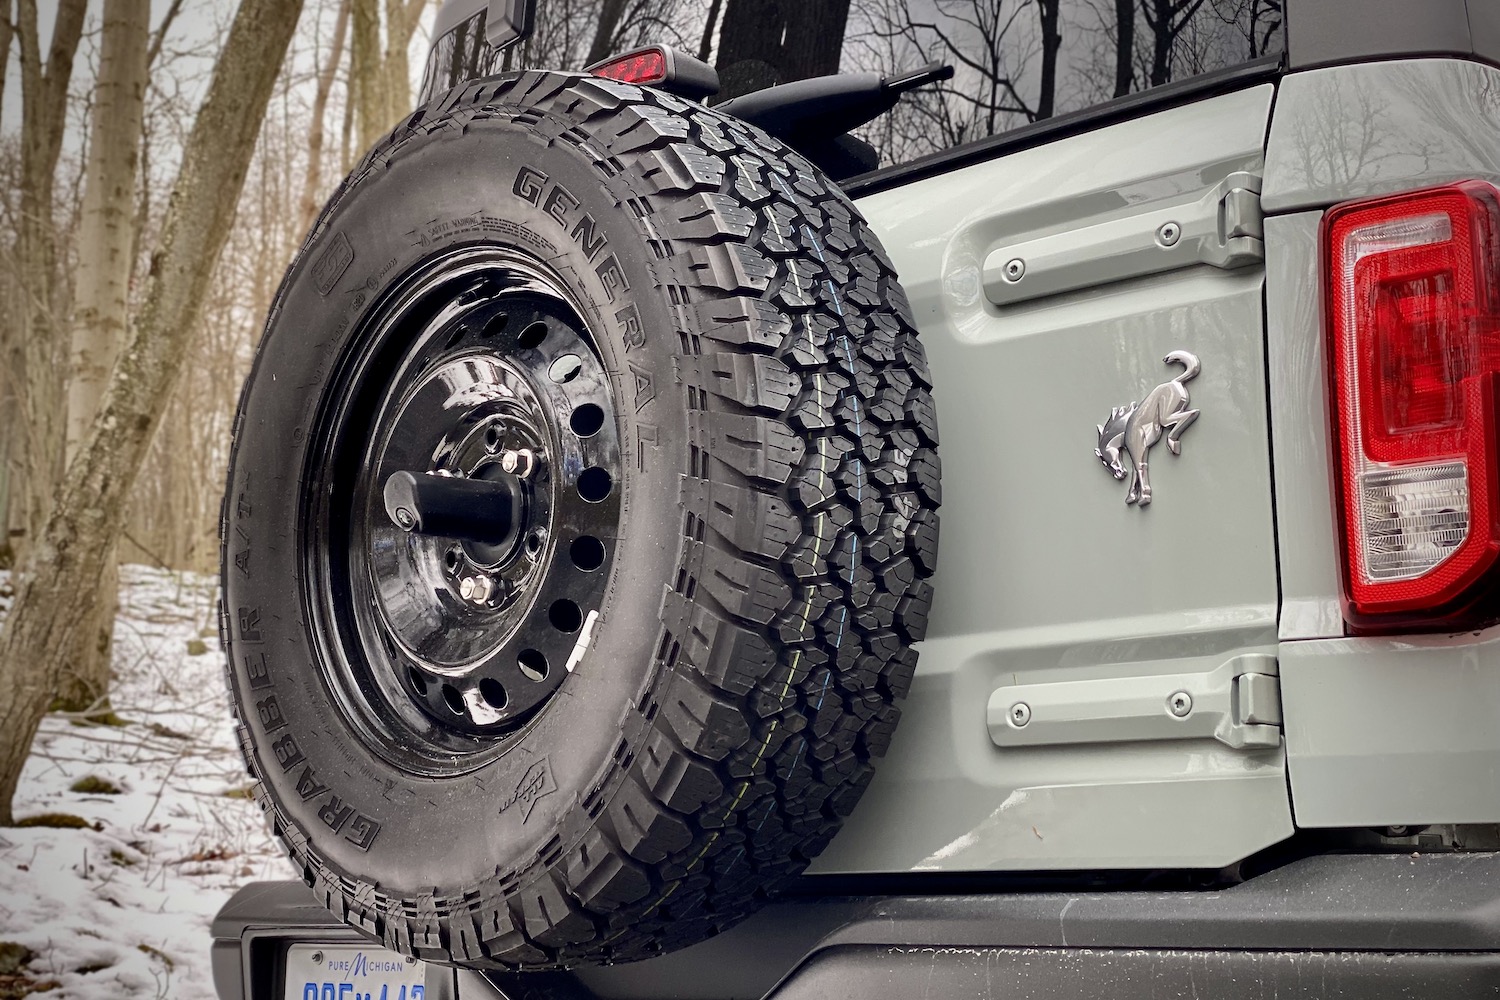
1135, 427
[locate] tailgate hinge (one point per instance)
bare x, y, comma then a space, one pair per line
1237, 703
1223, 228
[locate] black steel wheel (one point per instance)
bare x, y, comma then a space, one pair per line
479, 401
580, 519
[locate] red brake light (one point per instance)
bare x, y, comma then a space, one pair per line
643, 66
1414, 317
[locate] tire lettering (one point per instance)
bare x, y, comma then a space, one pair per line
308, 785
559, 203
529, 184
645, 391
249, 624
269, 711
645, 435
583, 235
335, 814
362, 832
632, 332
288, 754
257, 670
612, 278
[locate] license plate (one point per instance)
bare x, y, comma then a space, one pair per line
350, 972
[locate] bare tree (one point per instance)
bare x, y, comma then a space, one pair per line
380, 83
1166, 19
706, 43
40, 354
604, 32
101, 295
1047, 11
10, 402
58, 580
766, 42
1124, 46
313, 177
990, 44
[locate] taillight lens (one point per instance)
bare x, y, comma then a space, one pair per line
644, 66
1414, 314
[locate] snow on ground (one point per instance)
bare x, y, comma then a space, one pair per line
122, 910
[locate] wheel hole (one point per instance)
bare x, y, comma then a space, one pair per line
450, 559
565, 616
532, 336
594, 484
417, 680
495, 324
533, 664
587, 552
587, 420
454, 699
458, 334
493, 693
534, 542
492, 438
565, 369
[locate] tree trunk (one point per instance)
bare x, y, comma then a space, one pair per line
366, 78
313, 180
1051, 40
767, 42
43, 351
381, 79
101, 295
395, 67
706, 46
1163, 37
59, 579
1124, 46
603, 44
9, 420
7, 35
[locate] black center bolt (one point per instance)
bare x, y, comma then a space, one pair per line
471, 510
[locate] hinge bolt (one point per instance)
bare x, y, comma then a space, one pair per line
1014, 270
1169, 234
1020, 714
1180, 704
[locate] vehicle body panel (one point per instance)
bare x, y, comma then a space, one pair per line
1306, 514
1375, 128
1380, 731
1393, 732
1046, 574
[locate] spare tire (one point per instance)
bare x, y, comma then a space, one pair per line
579, 523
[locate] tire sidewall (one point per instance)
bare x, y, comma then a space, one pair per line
480, 184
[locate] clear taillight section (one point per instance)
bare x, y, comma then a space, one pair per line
1414, 316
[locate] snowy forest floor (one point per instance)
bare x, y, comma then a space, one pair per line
120, 905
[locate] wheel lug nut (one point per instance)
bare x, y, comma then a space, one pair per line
520, 463
476, 589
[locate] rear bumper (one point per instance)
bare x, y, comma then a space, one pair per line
1367, 926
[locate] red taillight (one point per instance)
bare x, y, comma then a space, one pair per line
644, 66
1414, 316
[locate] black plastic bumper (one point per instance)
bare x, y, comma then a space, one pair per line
1368, 926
